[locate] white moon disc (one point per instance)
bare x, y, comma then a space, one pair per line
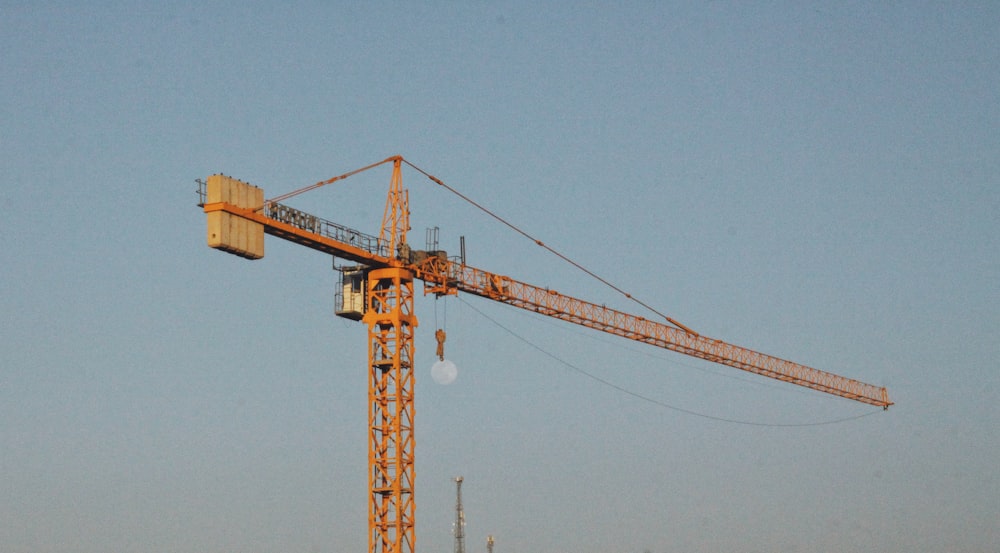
444, 372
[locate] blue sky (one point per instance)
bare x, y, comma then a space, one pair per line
816, 181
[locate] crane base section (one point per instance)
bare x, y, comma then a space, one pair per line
228, 231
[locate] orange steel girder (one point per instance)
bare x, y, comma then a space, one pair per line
391, 321
445, 274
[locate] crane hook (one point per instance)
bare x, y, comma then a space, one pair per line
439, 335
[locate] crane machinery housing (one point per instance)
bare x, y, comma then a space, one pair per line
378, 291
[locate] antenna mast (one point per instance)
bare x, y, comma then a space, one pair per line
459, 518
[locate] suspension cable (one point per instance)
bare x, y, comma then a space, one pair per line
334, 179
512, 226
550, 249
647, 398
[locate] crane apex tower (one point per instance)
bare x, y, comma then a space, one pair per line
229, 232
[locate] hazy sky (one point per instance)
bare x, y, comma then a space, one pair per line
819, 182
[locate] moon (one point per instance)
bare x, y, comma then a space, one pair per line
444, 372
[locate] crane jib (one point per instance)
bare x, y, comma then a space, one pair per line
335, 239
599, 317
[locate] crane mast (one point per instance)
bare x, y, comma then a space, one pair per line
380, 293
391, 322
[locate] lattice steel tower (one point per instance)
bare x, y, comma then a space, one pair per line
459, 518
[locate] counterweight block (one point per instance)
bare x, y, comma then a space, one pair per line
228, 231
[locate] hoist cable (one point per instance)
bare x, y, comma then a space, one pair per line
649, 399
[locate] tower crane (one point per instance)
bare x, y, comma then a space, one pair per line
379, 293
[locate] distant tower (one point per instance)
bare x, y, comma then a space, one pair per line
459, 519
489, 544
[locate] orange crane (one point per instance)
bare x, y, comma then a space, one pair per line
379, 292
